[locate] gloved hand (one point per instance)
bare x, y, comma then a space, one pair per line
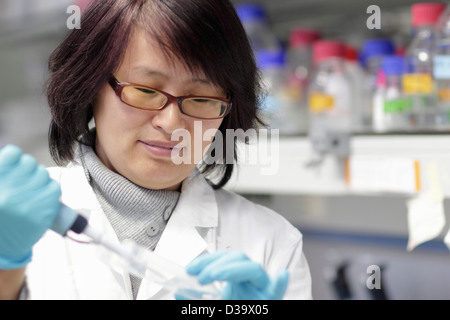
29, 203
246, 280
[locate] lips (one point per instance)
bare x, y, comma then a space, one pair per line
161, 148
158, 144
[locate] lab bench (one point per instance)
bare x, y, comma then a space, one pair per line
351, 218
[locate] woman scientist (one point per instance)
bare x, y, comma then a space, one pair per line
143, 70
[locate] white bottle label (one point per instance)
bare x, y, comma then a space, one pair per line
441, 68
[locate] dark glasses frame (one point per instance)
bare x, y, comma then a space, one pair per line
119, 86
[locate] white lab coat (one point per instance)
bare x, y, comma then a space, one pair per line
204, 220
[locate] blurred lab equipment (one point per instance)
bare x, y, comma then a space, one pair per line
417, 79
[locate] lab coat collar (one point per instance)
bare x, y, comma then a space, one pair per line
201, 201
84, 200
196, 210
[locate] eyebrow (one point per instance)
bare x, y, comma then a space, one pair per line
156, 73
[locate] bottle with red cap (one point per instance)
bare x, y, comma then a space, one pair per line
329, 93
300, 51
299, 61
441, 68
417, 80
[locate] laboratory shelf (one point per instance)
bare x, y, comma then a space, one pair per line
379, 164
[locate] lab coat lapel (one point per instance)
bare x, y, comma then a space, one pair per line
92, 261
188, 232
181, 241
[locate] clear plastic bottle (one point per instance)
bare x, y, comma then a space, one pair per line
329, 98
279, 110
417, 80
299, 63
256, 24
272, 64
441, 68
372, 53
359, 94
378, 98
391, 106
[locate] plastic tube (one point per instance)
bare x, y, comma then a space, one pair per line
145, 263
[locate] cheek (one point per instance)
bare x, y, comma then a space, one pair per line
103, 110
113, 117
117, 127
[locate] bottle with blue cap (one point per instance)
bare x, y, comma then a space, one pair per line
391, 106
275, 109
372, 53
256, 24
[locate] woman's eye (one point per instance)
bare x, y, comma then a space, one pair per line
147, 91
201, 100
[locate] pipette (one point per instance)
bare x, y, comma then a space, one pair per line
138, 260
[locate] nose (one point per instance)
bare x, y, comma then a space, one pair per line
169, 119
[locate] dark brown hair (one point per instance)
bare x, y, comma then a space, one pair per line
206, 35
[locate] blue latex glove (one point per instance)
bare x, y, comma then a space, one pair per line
246, 280
29, 203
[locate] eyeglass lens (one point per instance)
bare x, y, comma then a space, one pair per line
146, 98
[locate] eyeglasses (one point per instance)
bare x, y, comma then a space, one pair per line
147, 98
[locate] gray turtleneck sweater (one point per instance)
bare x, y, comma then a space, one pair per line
134, 212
